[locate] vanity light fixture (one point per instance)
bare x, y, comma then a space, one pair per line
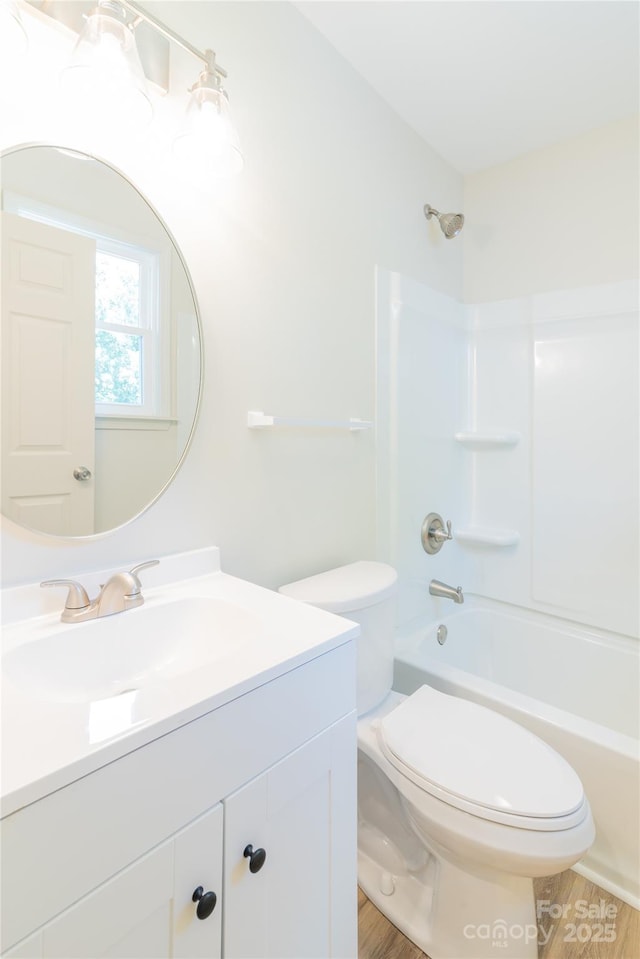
209, 142
110, 77
104, 76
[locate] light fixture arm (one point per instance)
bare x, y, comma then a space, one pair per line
208, 144
208, 57
210, 77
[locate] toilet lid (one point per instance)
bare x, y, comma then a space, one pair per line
347, 588
469, 755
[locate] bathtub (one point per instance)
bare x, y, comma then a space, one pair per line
576, 688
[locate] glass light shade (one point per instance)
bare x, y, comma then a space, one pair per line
209, 144
104, 78
13, 36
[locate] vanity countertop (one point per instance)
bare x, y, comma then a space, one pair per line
50, 740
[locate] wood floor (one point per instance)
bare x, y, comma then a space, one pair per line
559, 937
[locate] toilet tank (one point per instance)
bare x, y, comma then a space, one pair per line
364, 592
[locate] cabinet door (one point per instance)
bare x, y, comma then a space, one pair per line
302, 903
147, 911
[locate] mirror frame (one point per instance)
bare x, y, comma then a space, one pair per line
92, 537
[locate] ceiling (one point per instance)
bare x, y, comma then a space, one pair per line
483, 81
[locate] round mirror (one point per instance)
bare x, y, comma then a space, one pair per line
101, 346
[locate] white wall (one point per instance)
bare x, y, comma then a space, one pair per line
283, 265
132, 466
555, 219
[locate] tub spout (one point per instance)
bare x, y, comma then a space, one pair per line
436, 588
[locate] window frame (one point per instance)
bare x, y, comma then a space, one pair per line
155, 271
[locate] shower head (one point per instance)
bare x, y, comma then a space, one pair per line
450, 223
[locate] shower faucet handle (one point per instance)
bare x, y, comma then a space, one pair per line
439, 534
433, 533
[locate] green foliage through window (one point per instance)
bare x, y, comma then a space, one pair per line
118, 368
118, 353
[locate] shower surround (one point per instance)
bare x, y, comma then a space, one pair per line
518, 421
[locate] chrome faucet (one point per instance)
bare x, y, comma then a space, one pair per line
121, 592
436, 588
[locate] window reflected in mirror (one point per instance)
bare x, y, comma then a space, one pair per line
101, 345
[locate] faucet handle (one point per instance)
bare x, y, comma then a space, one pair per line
136, 569
440, 534
433, 533
76, 597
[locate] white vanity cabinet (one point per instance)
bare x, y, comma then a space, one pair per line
146, 909
107, 865
301, 812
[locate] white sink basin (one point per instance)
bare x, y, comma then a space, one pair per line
106, 657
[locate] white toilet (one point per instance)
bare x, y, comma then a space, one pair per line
458, 807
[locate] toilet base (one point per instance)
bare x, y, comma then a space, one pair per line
452, 914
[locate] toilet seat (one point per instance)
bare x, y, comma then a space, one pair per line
479, 761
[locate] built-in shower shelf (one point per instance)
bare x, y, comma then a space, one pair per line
474, 439
487, 536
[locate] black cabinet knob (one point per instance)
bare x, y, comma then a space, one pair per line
206, 902
256, 858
